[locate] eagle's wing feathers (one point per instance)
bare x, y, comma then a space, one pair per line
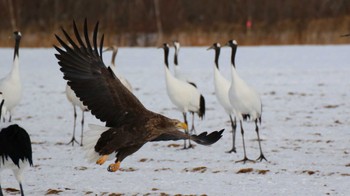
94, 83
203, 138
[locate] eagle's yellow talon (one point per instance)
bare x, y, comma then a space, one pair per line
102, 160
114, 167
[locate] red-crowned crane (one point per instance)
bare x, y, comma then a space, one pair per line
245, 100
183, 95
75, 101
10, 85
15, 150
222, 87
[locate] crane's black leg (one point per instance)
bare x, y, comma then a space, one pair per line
193, 130
245, 159
1, 194
187, 132
234, 126
73, 140
20, 186
82, 127
261, 157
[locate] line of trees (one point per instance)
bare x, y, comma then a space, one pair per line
193, 22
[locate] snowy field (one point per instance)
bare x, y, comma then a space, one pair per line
305, 92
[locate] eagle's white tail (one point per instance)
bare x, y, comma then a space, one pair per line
91, 138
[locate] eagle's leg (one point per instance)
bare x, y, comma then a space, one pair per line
122, 153
102, 159
114, 167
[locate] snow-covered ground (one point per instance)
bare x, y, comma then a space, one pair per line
305, 92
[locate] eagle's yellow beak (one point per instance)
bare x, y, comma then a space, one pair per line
182, 125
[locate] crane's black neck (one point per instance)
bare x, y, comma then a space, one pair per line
175, 57
114, 54
166, 55
233, 55
1, 104
217, 54
17, 41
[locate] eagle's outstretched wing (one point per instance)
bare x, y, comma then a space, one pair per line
94, 83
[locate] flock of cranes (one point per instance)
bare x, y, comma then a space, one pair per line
239, 100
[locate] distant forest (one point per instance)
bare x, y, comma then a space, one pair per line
192, 22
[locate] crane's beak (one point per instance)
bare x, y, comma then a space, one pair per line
211, 47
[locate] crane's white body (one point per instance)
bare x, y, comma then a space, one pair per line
11, 87
182, 94
244, 99
222, 87
17, 171
73, 99
3, 109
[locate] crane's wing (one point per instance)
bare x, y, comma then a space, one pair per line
203, 138
94, 83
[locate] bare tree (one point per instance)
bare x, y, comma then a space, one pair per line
158, 22
12, 14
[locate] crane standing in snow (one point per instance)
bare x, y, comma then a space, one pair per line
185, 96
222, 87
245, 101
181, 76
75, 101
10, 85
15, 149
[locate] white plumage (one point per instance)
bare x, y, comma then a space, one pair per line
75, 101
122, 79
245, 101
17, 170
222, 87
92, 136
3, 109
183, 95
10, 85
